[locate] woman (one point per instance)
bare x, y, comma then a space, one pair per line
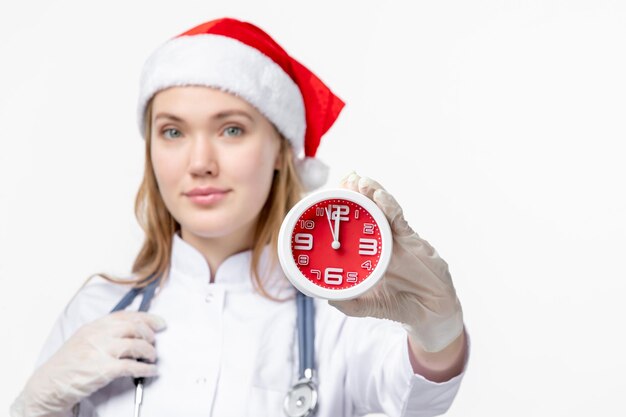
232, 124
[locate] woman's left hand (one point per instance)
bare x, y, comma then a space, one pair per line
416, 289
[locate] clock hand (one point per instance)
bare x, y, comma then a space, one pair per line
332, 231
336, 244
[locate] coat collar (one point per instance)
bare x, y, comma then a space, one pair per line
189, 263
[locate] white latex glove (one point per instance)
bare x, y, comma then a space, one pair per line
96, 354
417, 288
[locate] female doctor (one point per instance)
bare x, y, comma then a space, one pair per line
231, 124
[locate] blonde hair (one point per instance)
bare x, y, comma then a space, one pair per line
159, 226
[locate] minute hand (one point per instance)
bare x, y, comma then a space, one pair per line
336, 243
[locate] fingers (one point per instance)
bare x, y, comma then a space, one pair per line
133, 348
356, 307
363, 185
136, 369
137, 324
135, 328
387, 203
145, 324
368, 187
155, 322
347, 307
133, 334
350, 181
393, 212
117, 344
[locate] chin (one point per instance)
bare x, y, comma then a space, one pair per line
213, 226
207, 231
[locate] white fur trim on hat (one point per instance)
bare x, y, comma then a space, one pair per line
230, 65
313, 172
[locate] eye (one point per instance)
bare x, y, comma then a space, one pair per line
177, 135
233, 131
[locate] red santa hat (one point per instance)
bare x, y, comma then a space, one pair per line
240, 58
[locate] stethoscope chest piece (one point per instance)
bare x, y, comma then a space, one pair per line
301, 399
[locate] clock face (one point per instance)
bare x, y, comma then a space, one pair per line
335, 244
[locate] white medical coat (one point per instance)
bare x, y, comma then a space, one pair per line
228, 351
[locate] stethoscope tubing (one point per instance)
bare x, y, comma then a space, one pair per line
306, 332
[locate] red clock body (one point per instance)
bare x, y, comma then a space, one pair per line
359, 238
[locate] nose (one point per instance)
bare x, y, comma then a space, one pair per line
203, 157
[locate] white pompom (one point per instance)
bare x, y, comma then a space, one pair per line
313, 172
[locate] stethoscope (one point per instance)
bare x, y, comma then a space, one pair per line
301, 400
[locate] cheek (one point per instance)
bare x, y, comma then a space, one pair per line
253, 167
166, 170
255, 163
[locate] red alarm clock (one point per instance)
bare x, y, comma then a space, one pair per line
334, 244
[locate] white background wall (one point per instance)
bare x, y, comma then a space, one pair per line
498, 125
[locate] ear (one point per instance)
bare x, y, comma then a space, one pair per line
278, 163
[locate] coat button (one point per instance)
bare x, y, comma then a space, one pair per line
209, 297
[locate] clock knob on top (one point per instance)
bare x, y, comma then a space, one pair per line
334, 244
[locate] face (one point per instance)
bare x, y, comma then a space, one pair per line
203, 138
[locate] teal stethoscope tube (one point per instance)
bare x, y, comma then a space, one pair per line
306, 332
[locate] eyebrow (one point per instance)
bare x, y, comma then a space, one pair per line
218, 116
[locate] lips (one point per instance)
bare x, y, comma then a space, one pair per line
204, 191
207, 197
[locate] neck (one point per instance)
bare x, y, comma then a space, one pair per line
216, 249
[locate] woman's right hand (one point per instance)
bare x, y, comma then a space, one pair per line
99, 352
